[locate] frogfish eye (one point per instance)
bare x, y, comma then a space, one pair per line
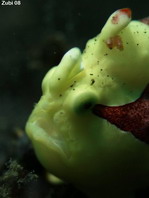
84, 101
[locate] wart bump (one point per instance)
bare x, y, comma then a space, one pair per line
115, 41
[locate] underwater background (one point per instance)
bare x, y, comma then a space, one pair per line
34, 36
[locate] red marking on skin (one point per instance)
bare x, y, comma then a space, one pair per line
115, 19
145, 20
125, 11
115, 41
132, 117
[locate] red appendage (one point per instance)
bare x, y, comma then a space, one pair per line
132, 117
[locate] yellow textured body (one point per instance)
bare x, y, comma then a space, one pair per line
69, 140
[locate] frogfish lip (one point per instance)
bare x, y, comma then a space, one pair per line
132, 117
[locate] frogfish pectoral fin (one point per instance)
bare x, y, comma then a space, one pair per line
132, 117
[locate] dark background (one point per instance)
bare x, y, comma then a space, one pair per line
33, 38
35, 35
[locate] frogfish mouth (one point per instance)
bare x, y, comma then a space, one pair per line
132, 117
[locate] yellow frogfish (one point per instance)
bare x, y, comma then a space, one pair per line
91, 125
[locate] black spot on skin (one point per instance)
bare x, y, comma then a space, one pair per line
92, 81
73, 84
106, 54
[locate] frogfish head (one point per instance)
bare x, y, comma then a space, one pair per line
91, 125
